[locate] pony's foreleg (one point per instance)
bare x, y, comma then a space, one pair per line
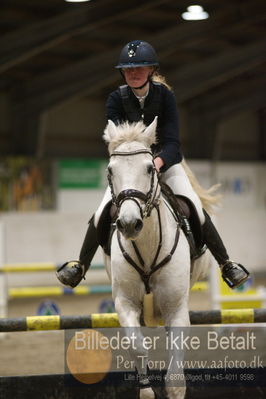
175, 378
129, 317
176, 316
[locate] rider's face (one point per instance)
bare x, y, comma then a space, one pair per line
136, 77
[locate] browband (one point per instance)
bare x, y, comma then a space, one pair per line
131, 153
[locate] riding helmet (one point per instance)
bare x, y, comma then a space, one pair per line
136, 54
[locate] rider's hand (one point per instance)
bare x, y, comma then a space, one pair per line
158, 162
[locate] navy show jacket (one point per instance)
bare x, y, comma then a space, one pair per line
167, 134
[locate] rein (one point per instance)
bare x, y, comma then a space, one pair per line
150, 201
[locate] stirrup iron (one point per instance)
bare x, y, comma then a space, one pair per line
230, 282
71, 275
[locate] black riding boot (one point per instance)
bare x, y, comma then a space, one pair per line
72, 275
233, 273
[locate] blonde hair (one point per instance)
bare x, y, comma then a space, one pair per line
156, 77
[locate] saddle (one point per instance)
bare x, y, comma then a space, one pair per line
187, 216
183, 209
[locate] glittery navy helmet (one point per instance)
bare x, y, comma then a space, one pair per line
136, 54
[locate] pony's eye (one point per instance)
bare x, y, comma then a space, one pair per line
150, 168
110, 171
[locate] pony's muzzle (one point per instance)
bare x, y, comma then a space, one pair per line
129, 228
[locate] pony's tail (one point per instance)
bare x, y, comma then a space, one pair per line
209, 197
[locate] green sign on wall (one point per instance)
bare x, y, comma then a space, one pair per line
82, 173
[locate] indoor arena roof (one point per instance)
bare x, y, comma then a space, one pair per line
54, 52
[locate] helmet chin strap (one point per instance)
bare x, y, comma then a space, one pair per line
144, 84
141, 87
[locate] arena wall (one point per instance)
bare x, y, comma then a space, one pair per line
56, 236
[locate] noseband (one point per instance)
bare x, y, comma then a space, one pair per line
149, 200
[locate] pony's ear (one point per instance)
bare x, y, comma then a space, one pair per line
150, 131
110, 131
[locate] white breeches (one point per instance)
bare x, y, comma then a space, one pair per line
177, 179
106, 198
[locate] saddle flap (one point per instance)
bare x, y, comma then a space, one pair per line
189, 210
183, 207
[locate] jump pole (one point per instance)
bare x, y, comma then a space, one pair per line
108, 320
37, 267
34, 292
3, 285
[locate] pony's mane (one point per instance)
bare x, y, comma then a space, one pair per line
126, 132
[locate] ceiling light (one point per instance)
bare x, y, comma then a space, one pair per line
195, 13
76, 1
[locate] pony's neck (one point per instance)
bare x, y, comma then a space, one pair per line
149, 238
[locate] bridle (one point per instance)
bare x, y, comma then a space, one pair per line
150, 199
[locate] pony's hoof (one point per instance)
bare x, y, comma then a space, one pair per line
176, 392
146, 393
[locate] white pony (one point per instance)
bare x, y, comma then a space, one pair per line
149, 252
